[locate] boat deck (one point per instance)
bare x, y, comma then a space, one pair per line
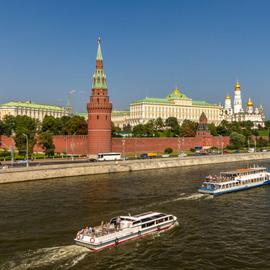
99, 231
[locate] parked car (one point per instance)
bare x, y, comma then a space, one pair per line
143, 156
165, 155
152, 155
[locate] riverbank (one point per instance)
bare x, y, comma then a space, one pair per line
66, 170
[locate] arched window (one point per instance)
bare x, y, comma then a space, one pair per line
97, 117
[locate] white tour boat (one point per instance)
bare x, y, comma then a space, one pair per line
124, 228
237, 180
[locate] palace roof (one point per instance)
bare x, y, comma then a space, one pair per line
176, 94
30, 104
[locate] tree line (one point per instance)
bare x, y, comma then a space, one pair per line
23, 128
242, 134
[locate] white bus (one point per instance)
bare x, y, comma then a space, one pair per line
108, 156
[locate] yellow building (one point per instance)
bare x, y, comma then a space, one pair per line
33, 110
176, 104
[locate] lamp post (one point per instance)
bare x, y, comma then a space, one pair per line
72, 144
27, 148
183, 144
12, 148
255, 143
123, 147
178, 144
221, 144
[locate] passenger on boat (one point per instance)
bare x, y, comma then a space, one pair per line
118, 222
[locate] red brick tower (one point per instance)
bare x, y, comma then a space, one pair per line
99, 111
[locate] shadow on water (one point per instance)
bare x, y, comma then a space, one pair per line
39, 220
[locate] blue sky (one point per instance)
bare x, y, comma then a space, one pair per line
48, 48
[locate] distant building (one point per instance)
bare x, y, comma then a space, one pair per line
33, 110
176, 104
203, 129
238, 114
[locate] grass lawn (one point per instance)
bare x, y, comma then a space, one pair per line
263, 133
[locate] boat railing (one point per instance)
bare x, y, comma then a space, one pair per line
216, 178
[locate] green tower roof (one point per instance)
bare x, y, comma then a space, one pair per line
176, 94
99, 53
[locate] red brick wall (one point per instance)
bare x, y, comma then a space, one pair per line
6, 142
71, 144
78, 144
140, 145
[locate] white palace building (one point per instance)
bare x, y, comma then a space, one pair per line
176, 104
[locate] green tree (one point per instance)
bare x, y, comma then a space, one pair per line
168, 150
76, 125
159, 124
237, 141
25, 126
46, 141
223, 129
9, 125
267, 124
115, 131
212, 129
150, 128
139, 130
2, 128
51, 124
173, 124
188, 128
127, 128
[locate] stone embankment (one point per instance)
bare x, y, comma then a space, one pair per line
66, 170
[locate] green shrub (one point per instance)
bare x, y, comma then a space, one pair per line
168, 150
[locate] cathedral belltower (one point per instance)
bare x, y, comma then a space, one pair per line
99, 111
237, 98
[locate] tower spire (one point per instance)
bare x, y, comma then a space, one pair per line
99, 111
99, 53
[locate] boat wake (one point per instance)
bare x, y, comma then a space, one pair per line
184, 197
62, 257
193, 197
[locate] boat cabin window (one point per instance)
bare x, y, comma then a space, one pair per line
148, 224
136, 222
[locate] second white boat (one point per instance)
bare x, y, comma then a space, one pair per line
124, 228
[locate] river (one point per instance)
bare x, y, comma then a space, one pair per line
39, 219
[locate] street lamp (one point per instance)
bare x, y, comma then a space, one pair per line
178, 143
255, 143
123, 147
72, 144
221, 143
27, 148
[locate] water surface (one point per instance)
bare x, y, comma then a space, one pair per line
39, 220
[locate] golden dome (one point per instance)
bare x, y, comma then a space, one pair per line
227, 97
237, 86
250, 103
